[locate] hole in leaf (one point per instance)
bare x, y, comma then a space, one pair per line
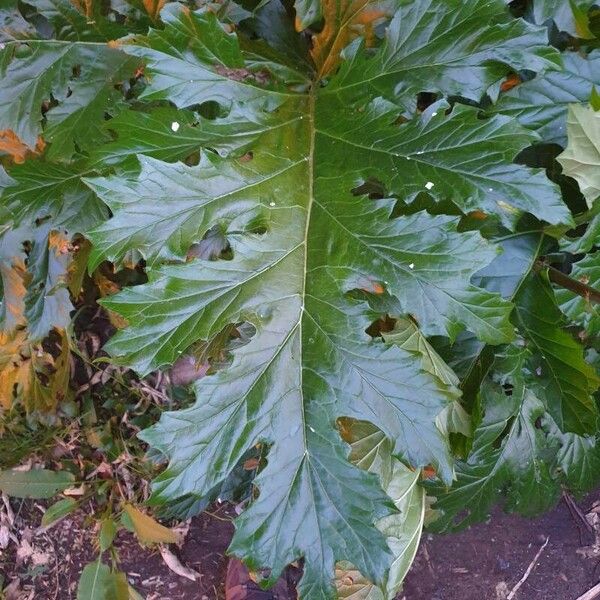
219, 350
518, 8
261, 77
372, 187
41, 220
213, 246
192, 159
210, 110
498, 441
382, 325
425, 99
368, 284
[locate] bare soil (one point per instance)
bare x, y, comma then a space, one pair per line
481, 563
487, 560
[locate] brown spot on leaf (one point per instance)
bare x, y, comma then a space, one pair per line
240, 74
513, 80
369, 285
345, 428
251, 464
428, 472
479, 215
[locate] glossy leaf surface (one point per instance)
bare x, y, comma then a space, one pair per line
542, 104
581, 158
304, 233
352, 205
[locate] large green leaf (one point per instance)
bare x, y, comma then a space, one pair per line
462, 57
541, 104
39, 191
585, 243
564, 380
421, 259
509, 454
577, 458
79, 77
581, 159
309, 205
47, 302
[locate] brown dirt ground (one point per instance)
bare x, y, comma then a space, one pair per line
70, 545
471, 565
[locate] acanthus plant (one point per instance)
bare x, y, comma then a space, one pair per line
369, 190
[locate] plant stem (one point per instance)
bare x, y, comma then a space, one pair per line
577, 287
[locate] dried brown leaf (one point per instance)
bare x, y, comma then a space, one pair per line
345, 20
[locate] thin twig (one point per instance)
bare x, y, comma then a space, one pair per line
428, 560
577, 287
527, 573
215, 516
577, 515
591, 594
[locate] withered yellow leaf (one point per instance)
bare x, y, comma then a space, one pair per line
107, 287
50, 377
153, 7
147, 530
14, 284
345, 20
17, 149
78, 266
15, 369
31, 375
